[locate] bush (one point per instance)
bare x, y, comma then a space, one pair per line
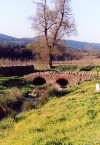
28, 105
42, 100
87, 68
48, 94
4, 99
10, 102
2, 112
15, 94
54, 92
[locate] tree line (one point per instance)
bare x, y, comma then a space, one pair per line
33, 51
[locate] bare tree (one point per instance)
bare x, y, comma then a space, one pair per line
53, 22
41, 52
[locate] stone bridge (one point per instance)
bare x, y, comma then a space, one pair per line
61, 78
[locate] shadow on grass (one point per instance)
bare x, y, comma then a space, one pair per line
14, 82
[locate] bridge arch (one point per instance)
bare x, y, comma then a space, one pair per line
62, 82
39, 81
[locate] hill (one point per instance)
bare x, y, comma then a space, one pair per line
4, 37
12, 40
69, 43
70, 120
81, 45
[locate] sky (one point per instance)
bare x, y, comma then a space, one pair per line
14, 20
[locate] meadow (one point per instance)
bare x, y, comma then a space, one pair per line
72, 65
68, 117
73, 119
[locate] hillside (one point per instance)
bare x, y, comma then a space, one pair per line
69, 43
12, 40
70, 120
81, 45
4, 37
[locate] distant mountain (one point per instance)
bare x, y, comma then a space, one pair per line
81, 45
7, 38
12, 40
24, 41
75, 44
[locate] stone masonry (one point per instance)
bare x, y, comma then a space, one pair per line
51, 77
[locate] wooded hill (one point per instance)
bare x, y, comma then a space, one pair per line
15, 48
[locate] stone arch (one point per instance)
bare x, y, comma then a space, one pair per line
39, 81
62, 82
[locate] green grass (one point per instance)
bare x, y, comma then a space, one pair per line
66, 68
13, 91
70, 120
91, 70
7, 83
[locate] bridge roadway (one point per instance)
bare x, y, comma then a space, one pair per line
51, 77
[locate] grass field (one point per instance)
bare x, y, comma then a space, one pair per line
70, 120
7, 83
73, 65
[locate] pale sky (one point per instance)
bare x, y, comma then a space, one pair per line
14, 19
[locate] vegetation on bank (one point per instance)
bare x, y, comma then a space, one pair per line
13, 91
68, 117
70, 120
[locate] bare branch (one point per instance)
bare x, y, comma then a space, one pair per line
37, 3
54, 23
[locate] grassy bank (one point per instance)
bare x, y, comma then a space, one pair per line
13, 91
70, 120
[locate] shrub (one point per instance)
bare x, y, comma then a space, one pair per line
2, 112
28, 105
87, 68
15, 94
51, 92
4, 99
54, 92
10, 102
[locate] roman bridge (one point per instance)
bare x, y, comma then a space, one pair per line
61, 78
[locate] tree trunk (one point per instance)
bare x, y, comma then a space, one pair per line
50, 61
